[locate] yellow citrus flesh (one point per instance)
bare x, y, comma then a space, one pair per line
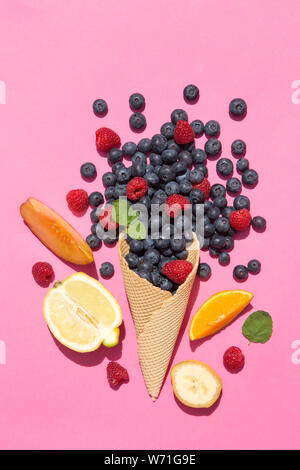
81, 313
218, 311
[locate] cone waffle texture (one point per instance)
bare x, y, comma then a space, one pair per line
157, 316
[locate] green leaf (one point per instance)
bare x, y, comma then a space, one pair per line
258, 327
122, 212
136, 229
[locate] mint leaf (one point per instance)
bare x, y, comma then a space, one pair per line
122, 212
258, 327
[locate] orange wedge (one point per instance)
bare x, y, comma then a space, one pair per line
218, 311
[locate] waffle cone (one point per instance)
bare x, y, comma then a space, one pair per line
157, 316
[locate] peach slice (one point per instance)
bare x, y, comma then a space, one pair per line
55, 232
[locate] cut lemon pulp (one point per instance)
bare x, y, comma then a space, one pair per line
218, 311
81, 313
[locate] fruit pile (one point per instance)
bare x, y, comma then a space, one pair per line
169, 169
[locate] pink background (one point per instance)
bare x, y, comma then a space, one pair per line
56, 57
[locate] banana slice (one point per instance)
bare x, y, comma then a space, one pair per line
195, 384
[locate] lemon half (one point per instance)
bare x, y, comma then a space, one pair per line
82, 314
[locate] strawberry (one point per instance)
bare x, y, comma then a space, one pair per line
204, 186
175, 204
240, 219
116, 373
183, 133
107, 139
177, 270
106, 220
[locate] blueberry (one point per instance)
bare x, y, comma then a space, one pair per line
120, 190
241, 202
114, 155
182, 254
177, 244
213, 252
233, 185
156, 278
212, 128
159, 143
100, 107
123, 175
238, 107
162, 244
198, 127
152, 179
185, 157
220, 202
240, 272
136, 246
209, 229
145, 275
213, 213
139, 169
136, 101
238, 147
202, 167
167, 130
204, 271
217, 190
151, 192
178, 115
159, 197
196, 176
94, 216
185, 188
207, 205
213, 147
167, 253
139, 157
137, 121
145, 145
242, 164
107, 269
169, 156
254, 266
222, 225
224, 258
231, 232
155, 159
166, 174
152, 255
109, 192
173, 145
110, 240
88, 170
184, 177
145, 265
217, 241
250, 177
198, 156
93, 241
132, 259
205, 244
116, 166
196, 196
129, 149
93, 228
227, 211
145, 201
224, 167
189, 147
172, 188
191, 92
95, 199
229, 242
259, 222
166, 284
179, 168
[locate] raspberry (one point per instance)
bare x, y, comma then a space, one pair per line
204, 186
175, 204
240, 220
183, 133
43, 273
107, 139
116, 373
177, 270
78, 200
106, 220
136, 188
233, 359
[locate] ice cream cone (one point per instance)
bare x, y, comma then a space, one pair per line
157, 316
